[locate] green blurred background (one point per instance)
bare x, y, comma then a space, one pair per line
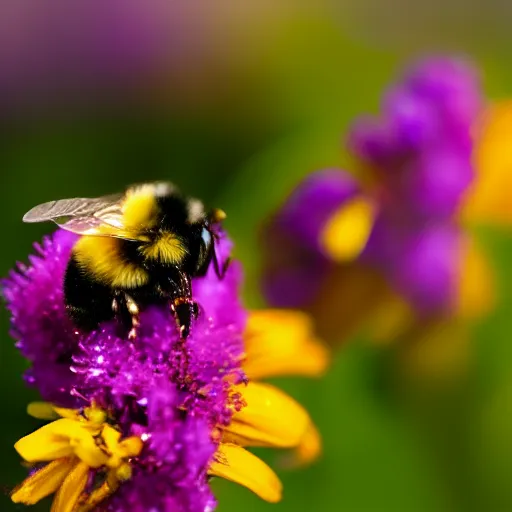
246, 98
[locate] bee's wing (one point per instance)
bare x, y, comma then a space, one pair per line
83, 216
77, 207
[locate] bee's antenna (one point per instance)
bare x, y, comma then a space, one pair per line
216, 217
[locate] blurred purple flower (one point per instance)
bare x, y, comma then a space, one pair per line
293, 235
418, 155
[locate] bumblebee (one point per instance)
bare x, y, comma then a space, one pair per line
137, 248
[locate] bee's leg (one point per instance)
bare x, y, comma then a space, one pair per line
134, 311
184, 310
220, 270
178, 291
127, 311
183, 307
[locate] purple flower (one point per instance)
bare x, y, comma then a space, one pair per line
426, 272
421, 264
147, 422
103, 365
428, 118
171, 474
144, 384
417, 154
452, 86
294, 235
420, 148
434, 185
34, 297
312, 204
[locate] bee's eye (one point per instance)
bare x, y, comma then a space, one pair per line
207, 237
205, 252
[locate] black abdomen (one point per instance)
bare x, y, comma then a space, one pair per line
87, 302
90, 302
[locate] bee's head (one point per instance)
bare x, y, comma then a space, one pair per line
185, 236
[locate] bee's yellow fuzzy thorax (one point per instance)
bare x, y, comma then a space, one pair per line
167, 249
140, 209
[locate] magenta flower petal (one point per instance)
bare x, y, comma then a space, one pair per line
171, 473
452, 85
426, 272
313, 202
373, 142
296, 260
39, 322
412, 121
433, 189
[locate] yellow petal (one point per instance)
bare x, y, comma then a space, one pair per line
50, 442
129, 447
43, 482
95, 416
86, 449
476, 293
347, 231
61, 438
271, 417
280, 342
73, 414
98, 495
242, 467
488, 199
71, 489
42, 411
47, 411
309, 449
111, 437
